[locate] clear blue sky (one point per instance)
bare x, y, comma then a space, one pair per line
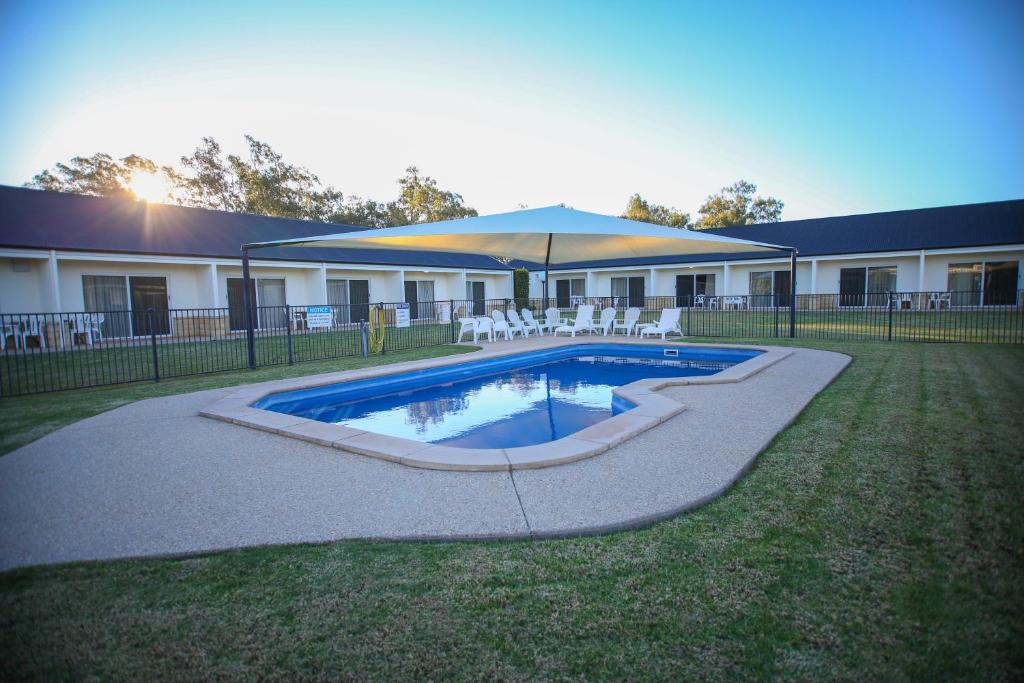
833, 107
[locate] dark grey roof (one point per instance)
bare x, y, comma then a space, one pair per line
55, 220
966, 225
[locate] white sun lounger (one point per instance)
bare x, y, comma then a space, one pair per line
531, 322
669, 323
516, 324
501, 325
629, 322
584, 321
607, 320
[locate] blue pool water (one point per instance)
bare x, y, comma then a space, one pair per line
517, 400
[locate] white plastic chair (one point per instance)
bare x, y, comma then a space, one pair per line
584, 321
936, 299
669, 322
607, 320
10, 328
467, 325
629, 321
501, 325
30, 327
552, 319
516, 324
531, 322
484, 325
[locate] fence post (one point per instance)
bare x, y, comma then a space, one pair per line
288, 328
775, 298
506, 307
383, 320
151, 315
363, 333
890, 316
451, 319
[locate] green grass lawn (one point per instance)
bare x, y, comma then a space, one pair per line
880, 536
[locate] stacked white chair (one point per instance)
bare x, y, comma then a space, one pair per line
607, 320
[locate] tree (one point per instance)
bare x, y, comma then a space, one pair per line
99, 175
639, 209
521, 287
420, 200
737, 205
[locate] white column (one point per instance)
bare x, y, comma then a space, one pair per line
654, 283
726, 285
920, 271
213, 300
323, 284
401, 286
54, 277
591, 283
814, 277
511, 284
460, 293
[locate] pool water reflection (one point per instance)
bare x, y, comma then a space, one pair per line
517, 407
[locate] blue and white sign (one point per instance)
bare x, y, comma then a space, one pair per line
319, 316
401, 315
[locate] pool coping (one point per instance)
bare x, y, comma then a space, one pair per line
651, 410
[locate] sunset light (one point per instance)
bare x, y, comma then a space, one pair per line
150, 187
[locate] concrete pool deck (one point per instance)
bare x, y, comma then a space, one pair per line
155, 478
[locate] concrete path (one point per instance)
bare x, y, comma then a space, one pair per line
154, 478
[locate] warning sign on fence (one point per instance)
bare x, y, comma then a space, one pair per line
401, 315
318, 316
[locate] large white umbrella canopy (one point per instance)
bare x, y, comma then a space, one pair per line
551, 236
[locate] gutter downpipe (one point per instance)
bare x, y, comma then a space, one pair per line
792, 293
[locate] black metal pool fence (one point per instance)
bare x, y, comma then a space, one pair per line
43, 352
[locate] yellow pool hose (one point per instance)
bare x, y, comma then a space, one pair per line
376, 330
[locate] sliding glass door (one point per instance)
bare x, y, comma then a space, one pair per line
266, 298
475, 294
133, 305
149, 305
689, 286
107, 295
866, 285
628, 291
419, 294
349, 298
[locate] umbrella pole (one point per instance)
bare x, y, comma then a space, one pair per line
547, 260
792, 293
250, 340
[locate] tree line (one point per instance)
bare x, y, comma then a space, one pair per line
262, 182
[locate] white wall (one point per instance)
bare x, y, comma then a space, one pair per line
936, 270
23, 292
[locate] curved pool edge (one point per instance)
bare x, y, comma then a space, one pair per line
651, 409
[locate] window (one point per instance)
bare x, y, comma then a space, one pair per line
866, 285
125, 303
349, 299
628, 291
570, 292
419, 294
689, 286
992, 283
769, 288
475, 294
266, 298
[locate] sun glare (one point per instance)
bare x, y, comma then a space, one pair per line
149, 187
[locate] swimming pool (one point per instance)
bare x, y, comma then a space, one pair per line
507, 402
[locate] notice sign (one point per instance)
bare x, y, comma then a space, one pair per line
444, 312
319, 316
401, 315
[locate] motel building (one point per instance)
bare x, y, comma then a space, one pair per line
62, 253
